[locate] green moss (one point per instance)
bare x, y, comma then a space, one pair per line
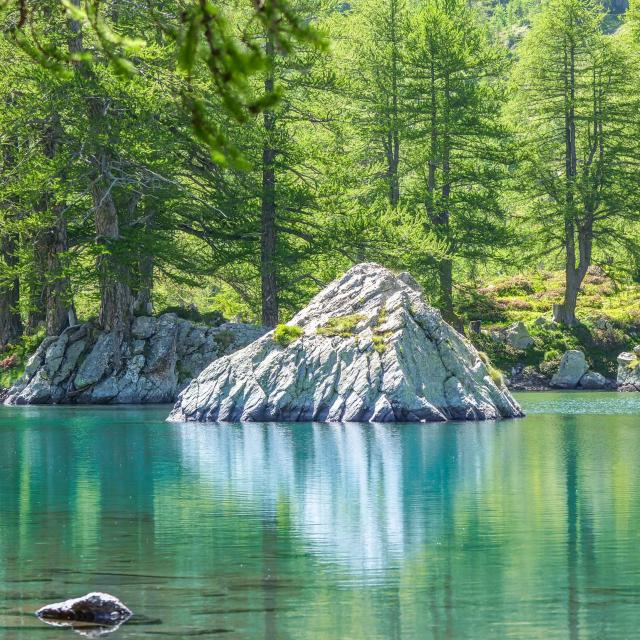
379, 340
496, 375
552, 355
342, 326
285, 334
633, 364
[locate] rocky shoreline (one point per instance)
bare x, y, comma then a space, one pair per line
152, 363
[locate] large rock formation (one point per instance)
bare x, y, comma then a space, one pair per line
152, 364
367, 348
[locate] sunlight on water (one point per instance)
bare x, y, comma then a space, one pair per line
517, 529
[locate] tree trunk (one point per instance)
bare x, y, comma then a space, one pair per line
53, 243
10, 322
33, 283
58, 305
394, 135
443, 217
143, 299
268, 234
116, 300
433, 152
573, 273
445, 274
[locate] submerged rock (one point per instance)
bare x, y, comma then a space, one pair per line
159, 357
96, 608
573, 366
366, 348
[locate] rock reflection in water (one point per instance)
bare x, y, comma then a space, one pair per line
357, 493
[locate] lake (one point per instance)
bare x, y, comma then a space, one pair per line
518, 529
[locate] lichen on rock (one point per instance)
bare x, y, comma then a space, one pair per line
371, 349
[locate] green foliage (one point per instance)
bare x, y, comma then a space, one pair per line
285, 334
426, 136
14, 358
343, 326
379, 340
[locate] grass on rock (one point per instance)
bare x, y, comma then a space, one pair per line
285, 334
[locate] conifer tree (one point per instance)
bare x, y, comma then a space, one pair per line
575, 106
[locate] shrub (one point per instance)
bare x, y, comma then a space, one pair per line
285, 334
516, 285
343, 326
496, 374
552, 355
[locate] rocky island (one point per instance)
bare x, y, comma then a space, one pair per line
366, 348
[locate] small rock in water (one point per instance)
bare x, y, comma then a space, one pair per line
95, 608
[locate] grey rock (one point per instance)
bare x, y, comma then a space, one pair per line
397, 360
573, 366
594, 380
527, 379
518, 337
104, 391
83, 365
143, 327
541, 321
72, 355
628, 378
95, 365
96, 608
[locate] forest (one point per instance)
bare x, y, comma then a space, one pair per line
230, 158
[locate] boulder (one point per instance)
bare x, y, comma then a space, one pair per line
367, 348
595, 380
573, 366
628, 378
153, 364
517, 336
96, 608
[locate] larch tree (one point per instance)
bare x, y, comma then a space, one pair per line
576, 109
457, 137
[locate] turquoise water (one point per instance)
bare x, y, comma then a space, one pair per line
518, 529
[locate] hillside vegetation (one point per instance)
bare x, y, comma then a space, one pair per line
609, 319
